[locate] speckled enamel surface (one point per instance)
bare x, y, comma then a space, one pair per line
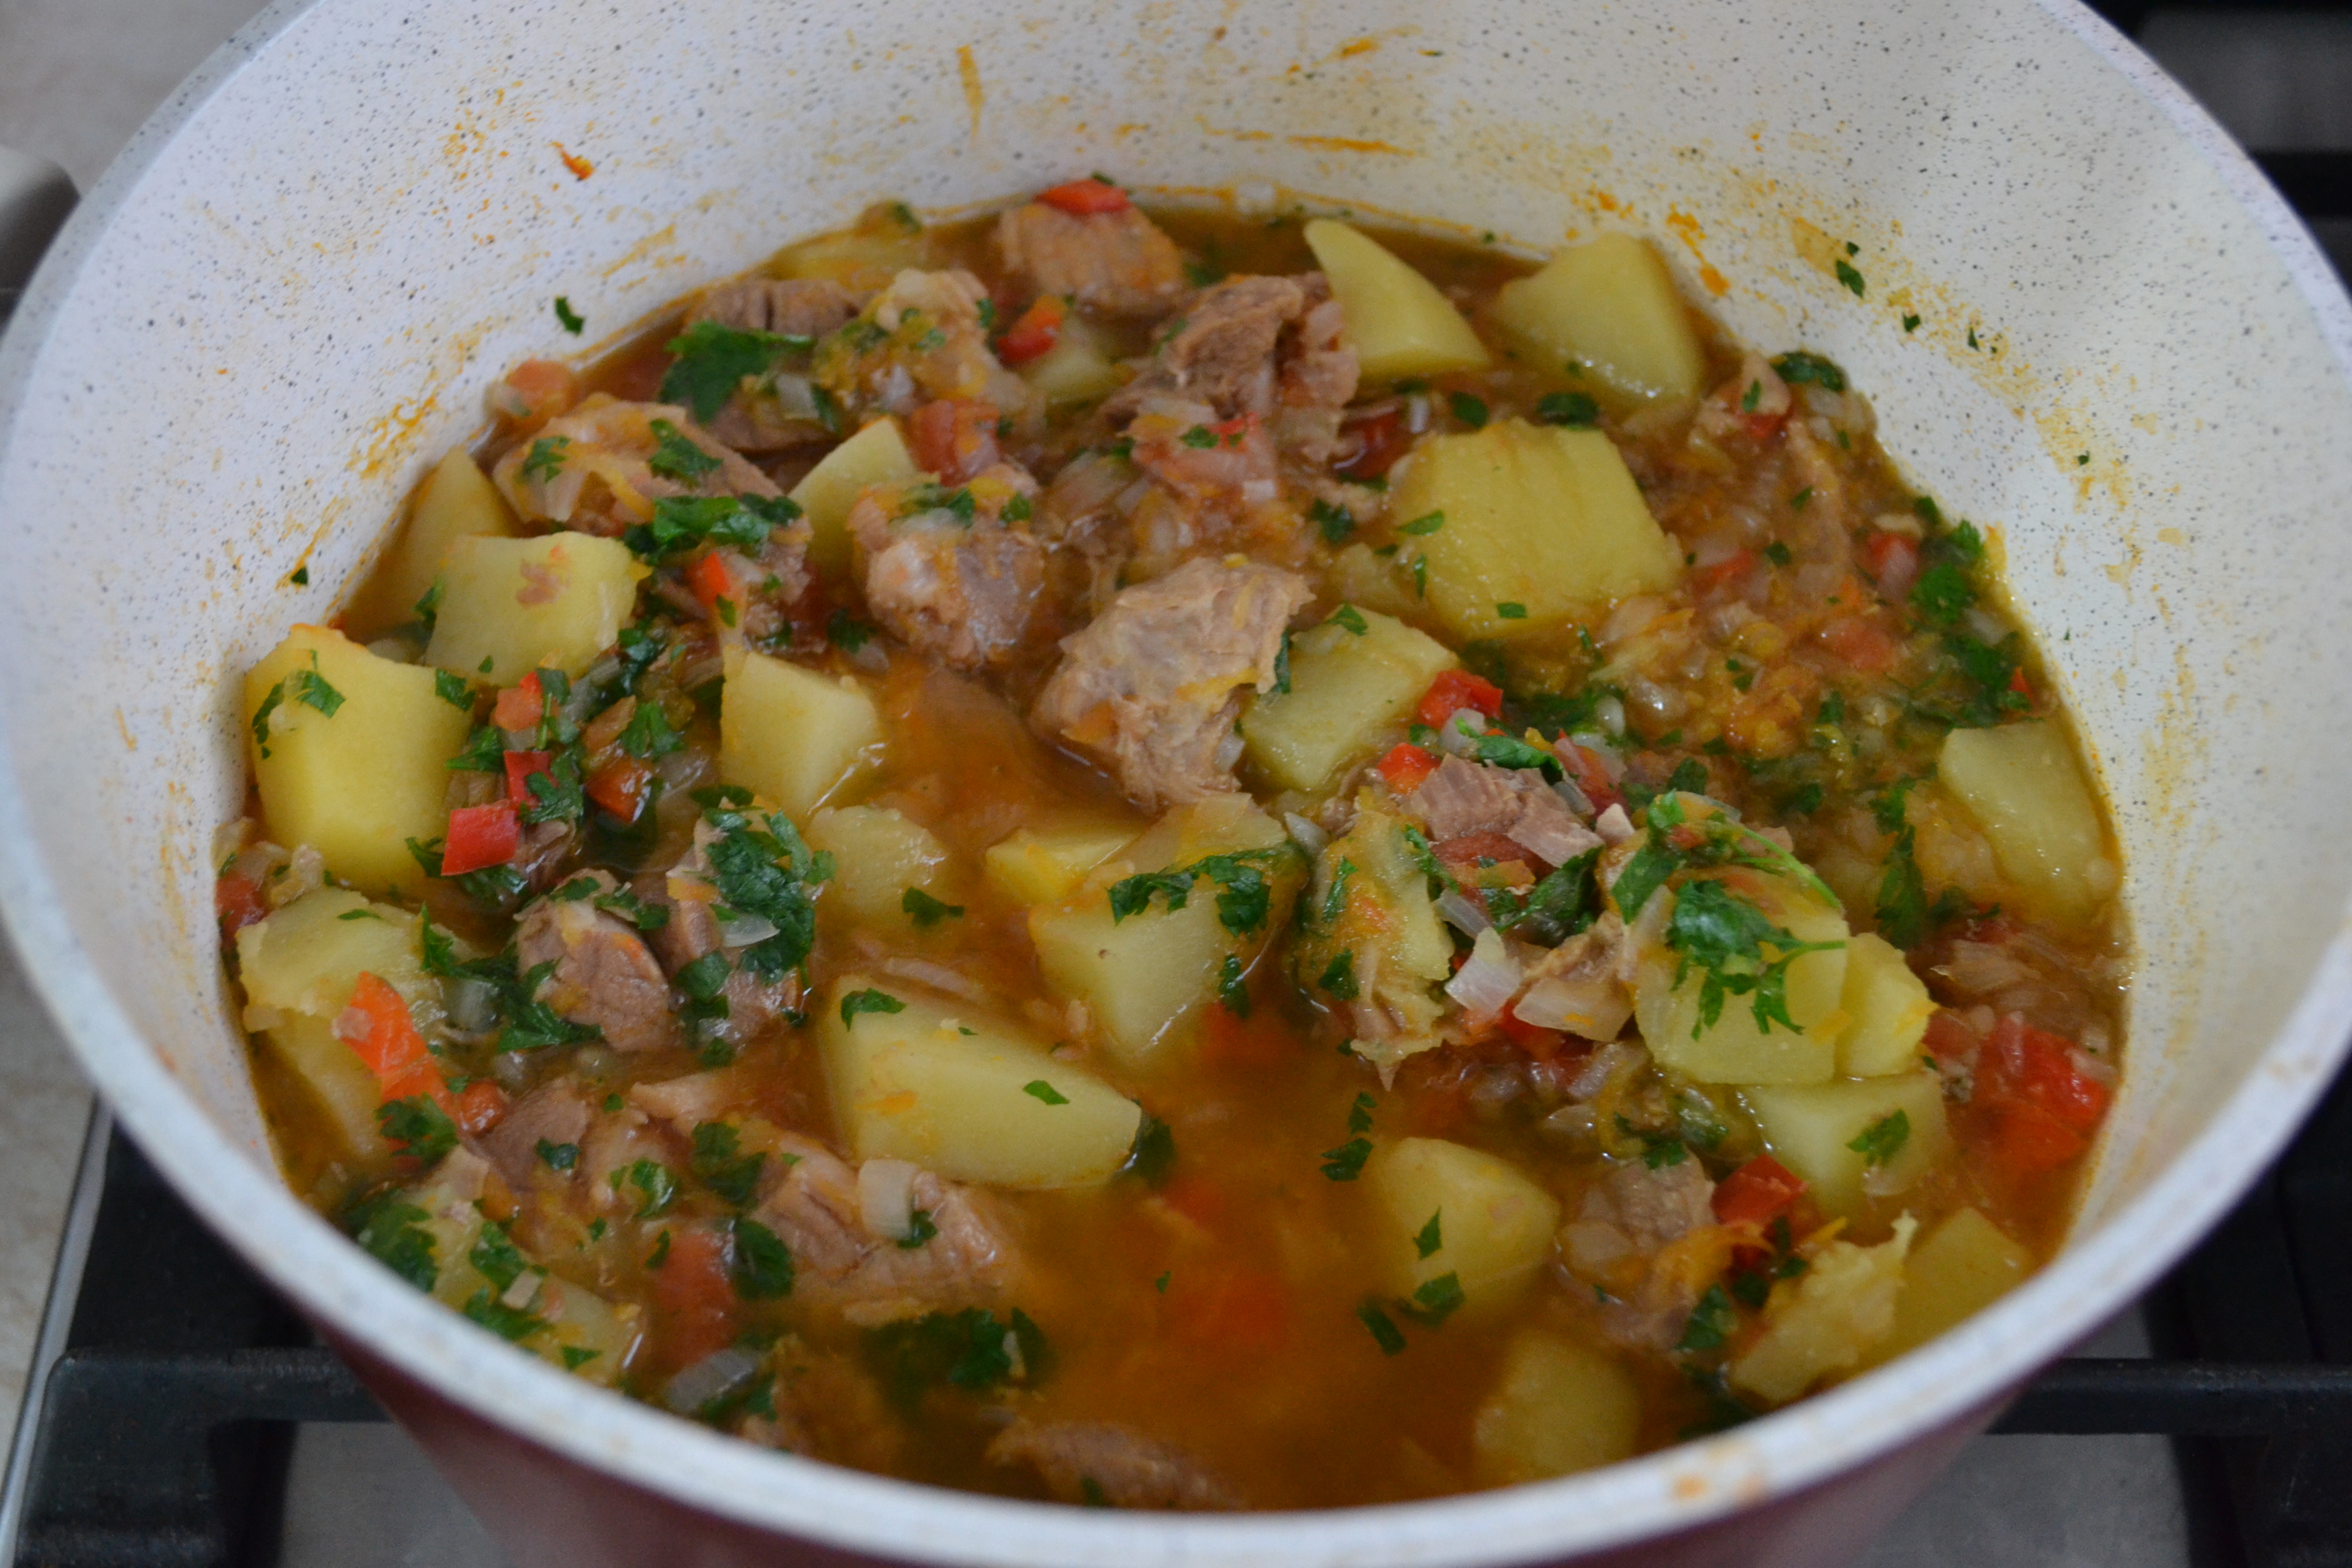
2128, 363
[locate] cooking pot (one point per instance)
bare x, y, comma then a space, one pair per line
2085, 320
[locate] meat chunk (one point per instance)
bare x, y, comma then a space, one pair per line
919, 339
1099, 1462
604, 975
553, 1114
1249, 345
1153, 685
692, 932
1462, 798
849, 1229
1624, 1239
1202, 460
1658, 1206
789, 306
1119, 263
963, 589
591, 470
1585, 984
765, 586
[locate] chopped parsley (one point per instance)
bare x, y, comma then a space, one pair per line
1153, 1154
762, 1269
571, 319
1427, 524
1430, 1238
1385, 1333
1200, 437
656, 1188
1882, 1139
507, 1323
1436, 1301
763, 868
921, 1229
1232, 988
1244, 893
868, 1001
454, 690
394, 1232
1711, 1323
1575, 410
927, 912
306, 687
1352, 618
1801, 367
683, 523
1345, 1162
421, 1130
1045, 1093
676, 458
712, 362
1339, 976
1469, 410
545, 458
1724, 937
974, 1350
558, 1156
1851, 278
717, 1160
1337, 522
496, 1256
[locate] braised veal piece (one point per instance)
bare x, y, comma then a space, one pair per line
1182, 862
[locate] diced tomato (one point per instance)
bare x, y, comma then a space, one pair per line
1406, 766
1235, 1308
480, 836
694, 1299
1084, 198
953, 438
1035, 332
1758, 1193
1454, 691
2043, 1108
1762, 426
238, 904
1892, 560
1196, 1197
2019, 684
1463, 851
1864, 643
1234, 431
535, 392
1724, 573
377, 1026
620, 785
1590, 776
1533, 1038
709, 579
1948, 1038
521, 765
1378, 442
482, 1107
519, 706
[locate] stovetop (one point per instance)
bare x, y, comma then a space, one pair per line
178, 1414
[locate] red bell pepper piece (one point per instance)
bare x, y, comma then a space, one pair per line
519, 706
709, 579
481, 1106
521, 765
1084, 198
954, 437
480, 836
620, 785
1406, 766
1454, 691
2042, 1107
376, 1025
1035, 332
1758, 1193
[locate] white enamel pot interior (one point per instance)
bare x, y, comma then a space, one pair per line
290, 294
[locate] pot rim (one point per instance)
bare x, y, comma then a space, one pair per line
1669, 1490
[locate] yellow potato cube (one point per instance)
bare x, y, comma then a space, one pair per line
1964, 1266
1559, 1406
1842, 1309
970, 1096
456, 501
306, 957
1397, 322
1492, 1224
878, 854
1540, 527
2021, 785
1348, 692
1814, 1130
1736, 1048
1076, 369
791, 735
1608, 306
349, 755
1143, 974
877, 455
887, 239
1886, 1010
512, 606
336, 1079
1040, 865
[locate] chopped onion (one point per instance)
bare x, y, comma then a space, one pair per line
715, 1376
1610, 711
1305, 833
1591, 1007
886, 1197
1486, 983
1615, 826
1455, 739
1612, 764
473, 1004
1578, 801
937, 976
739, 930
1463, 913
1606, 1063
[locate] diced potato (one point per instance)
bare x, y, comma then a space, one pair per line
877, 455
1608, 306
1559, 1406
1736, 1048
1842, 1308
1886, 1010
456, 501
1812, 1128
967, 1096
1040, 865
551, 603
340, 1083
1495, 1222
1141, 976
791, 735
1964, 1266
600, 1337
2019, 782
1076, 369
359, 782
878, 854
1397, 322
1369, 582
306, 957
1544, 522
887, 239
1347, 691
1383, 919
